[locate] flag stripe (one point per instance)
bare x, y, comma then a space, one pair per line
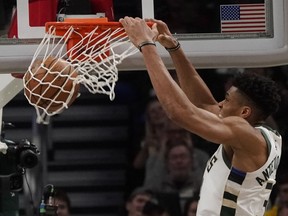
235, 30
247, 26
243, 22
252, 5
253, 17
243, 18
249, 13
253, 9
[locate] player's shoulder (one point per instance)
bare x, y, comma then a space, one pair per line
241, 128
236, 121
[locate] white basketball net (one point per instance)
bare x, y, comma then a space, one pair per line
97, 70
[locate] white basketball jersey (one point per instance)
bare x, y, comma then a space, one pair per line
226, 191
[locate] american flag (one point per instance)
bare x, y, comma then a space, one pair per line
241, 18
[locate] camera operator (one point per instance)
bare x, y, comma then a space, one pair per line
55, 202
15, 157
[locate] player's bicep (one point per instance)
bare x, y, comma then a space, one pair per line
209, 126
213, 108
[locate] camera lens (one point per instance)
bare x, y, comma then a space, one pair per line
28, 159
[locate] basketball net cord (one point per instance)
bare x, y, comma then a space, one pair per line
97, 68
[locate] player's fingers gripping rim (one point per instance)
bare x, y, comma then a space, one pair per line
162, 26
126, 23
130, 25
153, 33
126, 20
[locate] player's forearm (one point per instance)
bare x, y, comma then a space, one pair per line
170, 95
190, 81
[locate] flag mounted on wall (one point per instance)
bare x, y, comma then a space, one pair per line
243, 18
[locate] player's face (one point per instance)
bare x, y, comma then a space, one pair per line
231, 105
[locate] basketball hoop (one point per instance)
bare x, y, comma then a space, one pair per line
92, 47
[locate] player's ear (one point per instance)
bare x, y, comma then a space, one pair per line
246, 111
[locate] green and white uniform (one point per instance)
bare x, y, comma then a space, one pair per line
226, 191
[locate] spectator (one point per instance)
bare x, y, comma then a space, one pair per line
62, 201
155, 119
179, 177
155, 166
57, 199
155, 122
200, 157
154, 208
136, 201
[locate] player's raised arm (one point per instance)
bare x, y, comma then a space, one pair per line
190, 81
172, 98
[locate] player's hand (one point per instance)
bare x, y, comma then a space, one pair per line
138, 30
165, 38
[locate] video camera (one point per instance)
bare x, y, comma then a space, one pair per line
22, 153
19, 156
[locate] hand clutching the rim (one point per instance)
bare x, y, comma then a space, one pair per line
139, 32
165, 37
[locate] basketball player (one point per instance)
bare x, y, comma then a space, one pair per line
239, 177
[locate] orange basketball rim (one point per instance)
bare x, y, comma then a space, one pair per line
79, 46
